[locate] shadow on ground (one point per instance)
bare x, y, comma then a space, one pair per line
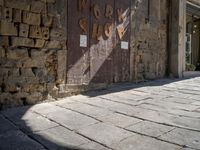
16, 131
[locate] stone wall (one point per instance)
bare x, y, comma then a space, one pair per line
32, 44
149, 39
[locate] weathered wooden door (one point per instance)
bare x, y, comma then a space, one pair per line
78, 55
122, 49
102, 41
98, 41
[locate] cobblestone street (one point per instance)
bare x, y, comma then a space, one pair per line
157, 115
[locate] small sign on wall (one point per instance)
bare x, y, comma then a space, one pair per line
83, 40
124, 45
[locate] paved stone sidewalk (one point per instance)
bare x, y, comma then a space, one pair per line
157, 115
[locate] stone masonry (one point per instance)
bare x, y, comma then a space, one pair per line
149, 39
32, 40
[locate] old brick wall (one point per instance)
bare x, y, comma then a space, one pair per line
32, 44
149, 39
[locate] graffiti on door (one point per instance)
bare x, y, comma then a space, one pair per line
98, 41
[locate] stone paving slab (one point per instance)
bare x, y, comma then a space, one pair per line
167, 104
17, 140
156, 115
125, 96
138, 93
119, 120
29, 121
110, 105
6, 125
138, 142
71, 120
150, 128
125, 100
60, 138
86, 109
170, 110
183, 137
104, 133
93, 146
45, 108
187, 122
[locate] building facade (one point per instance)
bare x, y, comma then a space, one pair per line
53, 48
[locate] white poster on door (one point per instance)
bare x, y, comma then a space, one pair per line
124, 45
83, 40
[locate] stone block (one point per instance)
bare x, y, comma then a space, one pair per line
58, 34
54, 45
45, 33
23, 42
62, 64
39, 32
7, 14
9, 100
16, 80
27, 72
39, 43
38, 7
11, 88
35, 32
34, 62
2, 52
35, 97
4, 62
13, 72
17, 15
47, 20
23, 30
4, 41
17, 54
4, 72
1, 2
34, 87
31, 18
19, 4
8, 28
37, 59
32, 80
46, 78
